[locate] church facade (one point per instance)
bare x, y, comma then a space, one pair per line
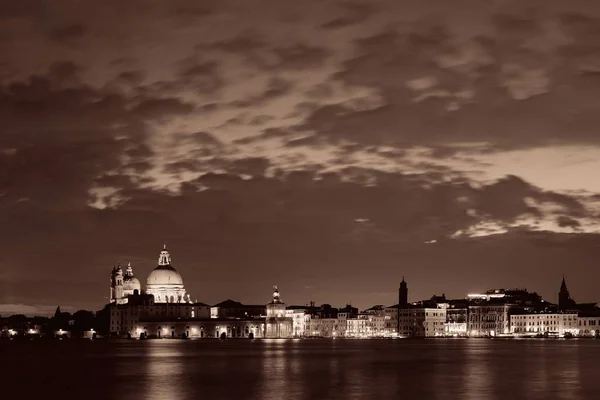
278, 324
165, 310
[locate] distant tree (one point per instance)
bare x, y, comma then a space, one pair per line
84, 320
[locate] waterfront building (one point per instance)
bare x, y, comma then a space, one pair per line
418, 321
278, 324
536, 323
125, 318
456, 318
490, 318
326, 327
588, 326
300, 319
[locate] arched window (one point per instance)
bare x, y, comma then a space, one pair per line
172, 299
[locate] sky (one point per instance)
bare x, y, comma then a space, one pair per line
327, 147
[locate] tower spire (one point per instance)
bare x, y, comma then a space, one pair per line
563, 285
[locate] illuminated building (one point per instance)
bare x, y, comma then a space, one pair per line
489, 319
534, 323
417, 321
165, 283
126, 317
456, 318
300, 320
277, 323
588, 326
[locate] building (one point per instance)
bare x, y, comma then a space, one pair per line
125, 318
418, 321
300, 320
165, 309
123, 285
457, 318
326, 327
277, 323
489, 318
565, 302
403, 294
230, 309
588, 326
165, 283
540, 323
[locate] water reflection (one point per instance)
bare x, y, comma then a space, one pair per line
281, 370
477, 370
567, 377
303, 370
163, 379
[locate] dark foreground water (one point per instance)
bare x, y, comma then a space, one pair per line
301, 369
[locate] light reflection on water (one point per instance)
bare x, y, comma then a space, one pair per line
165, 364
303, 370
477, 376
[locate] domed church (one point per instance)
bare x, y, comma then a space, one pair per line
164, 283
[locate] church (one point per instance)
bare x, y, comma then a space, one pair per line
164, 283
164, 309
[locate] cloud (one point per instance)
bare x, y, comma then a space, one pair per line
255, 137
67, 33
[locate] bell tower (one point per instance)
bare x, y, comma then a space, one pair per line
564, 297
116, 286
403, 294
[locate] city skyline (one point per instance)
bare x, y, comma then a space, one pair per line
327, 147
164, 260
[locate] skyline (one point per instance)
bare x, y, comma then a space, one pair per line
327, 147
34, 310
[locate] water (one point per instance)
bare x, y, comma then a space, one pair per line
301, 369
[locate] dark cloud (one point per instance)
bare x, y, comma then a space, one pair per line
203, 76
276, 87
68, 33
158, 108
257, 50
497, 76
132, 77
351, 14
95, 92
568, 222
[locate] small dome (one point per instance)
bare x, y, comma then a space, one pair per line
131, 283
164, 275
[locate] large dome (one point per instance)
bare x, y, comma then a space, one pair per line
165, 283
164, 275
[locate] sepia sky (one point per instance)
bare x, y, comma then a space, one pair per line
328, 147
